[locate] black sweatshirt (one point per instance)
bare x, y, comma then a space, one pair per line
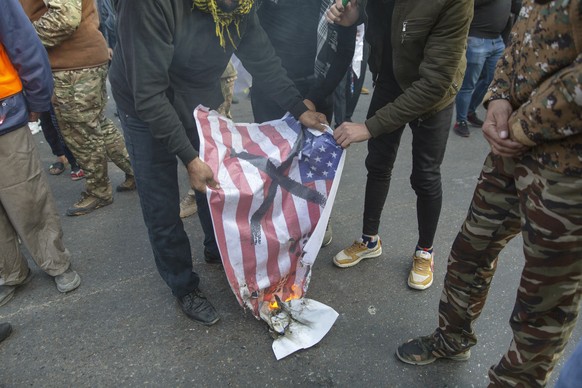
292, 28
168, 60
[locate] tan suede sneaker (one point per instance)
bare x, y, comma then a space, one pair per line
87, 204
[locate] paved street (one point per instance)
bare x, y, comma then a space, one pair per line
122, 327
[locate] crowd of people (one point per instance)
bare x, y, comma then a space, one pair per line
428, 61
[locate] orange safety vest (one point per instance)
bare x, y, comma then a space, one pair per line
10, 83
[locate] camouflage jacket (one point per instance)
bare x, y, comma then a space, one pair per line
69, 31
540, 74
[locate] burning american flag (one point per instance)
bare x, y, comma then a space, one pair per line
277, 186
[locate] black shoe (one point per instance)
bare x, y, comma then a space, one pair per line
5, 330
198, 308
211, 258
461, 129
474, 120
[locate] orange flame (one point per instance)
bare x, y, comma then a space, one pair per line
273, 305
294, 293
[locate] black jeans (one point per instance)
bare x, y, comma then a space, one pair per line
156, 175
429, 140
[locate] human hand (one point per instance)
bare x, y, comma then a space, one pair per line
110, 53
496, 130
310, 105
314, 120
33, 117
348, 133
343, 15
201, 175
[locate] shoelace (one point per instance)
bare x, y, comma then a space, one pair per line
421, 265
357, 246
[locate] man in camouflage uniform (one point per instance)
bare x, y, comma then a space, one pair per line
79, 60
531, 182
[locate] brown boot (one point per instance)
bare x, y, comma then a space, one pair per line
127, 185
87, 204
188, 206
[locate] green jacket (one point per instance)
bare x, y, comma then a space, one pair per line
428, 49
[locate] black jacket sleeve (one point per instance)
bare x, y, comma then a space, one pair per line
258, 57
339, 64
148, 27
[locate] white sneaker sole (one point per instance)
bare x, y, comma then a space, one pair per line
417, 286
370, 255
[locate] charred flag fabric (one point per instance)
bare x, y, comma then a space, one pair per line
277, 186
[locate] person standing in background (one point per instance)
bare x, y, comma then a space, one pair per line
315, 54
79, 60
347, 93
27, 208
107, 23
484, 48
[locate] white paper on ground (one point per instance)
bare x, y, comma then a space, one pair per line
311, 321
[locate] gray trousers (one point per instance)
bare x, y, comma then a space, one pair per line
27, 209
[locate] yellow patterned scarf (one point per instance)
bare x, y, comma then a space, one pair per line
222, 19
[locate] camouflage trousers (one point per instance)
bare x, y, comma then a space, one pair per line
514, 196
79, 101
227, 86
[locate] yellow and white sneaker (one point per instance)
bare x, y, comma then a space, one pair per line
420, 277
364, 248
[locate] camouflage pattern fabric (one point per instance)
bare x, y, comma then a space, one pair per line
60, 23
80, 99
227, 86
516, 195
540, 74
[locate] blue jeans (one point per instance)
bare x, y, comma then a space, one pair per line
156, 176
571, 375
482, 56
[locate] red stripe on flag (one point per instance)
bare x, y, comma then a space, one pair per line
273, 247
217, 201
314, 212
242, 211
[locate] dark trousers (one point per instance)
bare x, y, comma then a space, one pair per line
347, 92
52, 134
156, 175
429, 140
